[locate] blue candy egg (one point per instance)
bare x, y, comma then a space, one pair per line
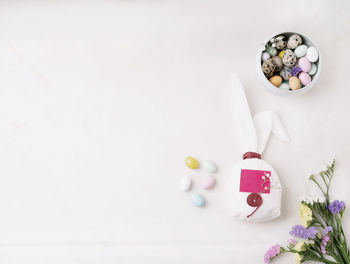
198, 200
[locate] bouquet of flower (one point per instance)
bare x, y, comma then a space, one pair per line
320, 237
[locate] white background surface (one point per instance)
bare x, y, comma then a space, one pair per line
100, 101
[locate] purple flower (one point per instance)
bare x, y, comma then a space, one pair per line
295, 71
302, 232
292, 241
325, 240
272, 252
327, 229
336, 206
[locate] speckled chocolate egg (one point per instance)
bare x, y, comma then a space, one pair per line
289, 59
268, 67
278, 63
280, 42
294, 41
285, 73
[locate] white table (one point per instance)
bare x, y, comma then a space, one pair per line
101, 101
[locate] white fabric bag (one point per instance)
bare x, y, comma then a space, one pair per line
255, 190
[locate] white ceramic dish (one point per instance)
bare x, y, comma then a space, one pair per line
277, 90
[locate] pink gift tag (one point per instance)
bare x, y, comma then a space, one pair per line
255, 181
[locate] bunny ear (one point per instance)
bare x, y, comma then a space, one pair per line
243, 118
265, 123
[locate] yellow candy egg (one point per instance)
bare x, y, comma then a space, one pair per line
281, 54
276, 80
294, 83
191, 162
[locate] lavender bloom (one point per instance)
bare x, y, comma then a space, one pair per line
295, 71
325, 240
302, 232
327, 229
336, 206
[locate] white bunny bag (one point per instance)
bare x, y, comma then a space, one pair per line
255, 190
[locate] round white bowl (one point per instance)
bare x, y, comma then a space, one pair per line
265, 81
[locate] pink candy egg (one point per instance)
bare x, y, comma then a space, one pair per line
304, 78
208, 183
304, 64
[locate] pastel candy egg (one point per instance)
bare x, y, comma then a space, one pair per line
313, 69
281, 54
312, 54
209, 166
304, 78
191, 162
284, 86
185, 184
208, 182
304, 64
300, 51
276, 80
271, 50
294, 83
265, 56
198, 200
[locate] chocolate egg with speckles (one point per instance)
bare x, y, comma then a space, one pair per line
294, 41
289, 59
285, 73
280, 42
278, 63
268, 67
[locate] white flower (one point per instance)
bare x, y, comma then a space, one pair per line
311, 200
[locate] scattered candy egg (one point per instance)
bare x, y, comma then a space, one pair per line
265, 56
300, 51
294, 41
276, 80
271, 50
289, 59
281, 54
209, 166
191, 162
208, 182
185, 184
312, 54
284, 86
313, 69
304, 78
198, 200
304, 64
294, 83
